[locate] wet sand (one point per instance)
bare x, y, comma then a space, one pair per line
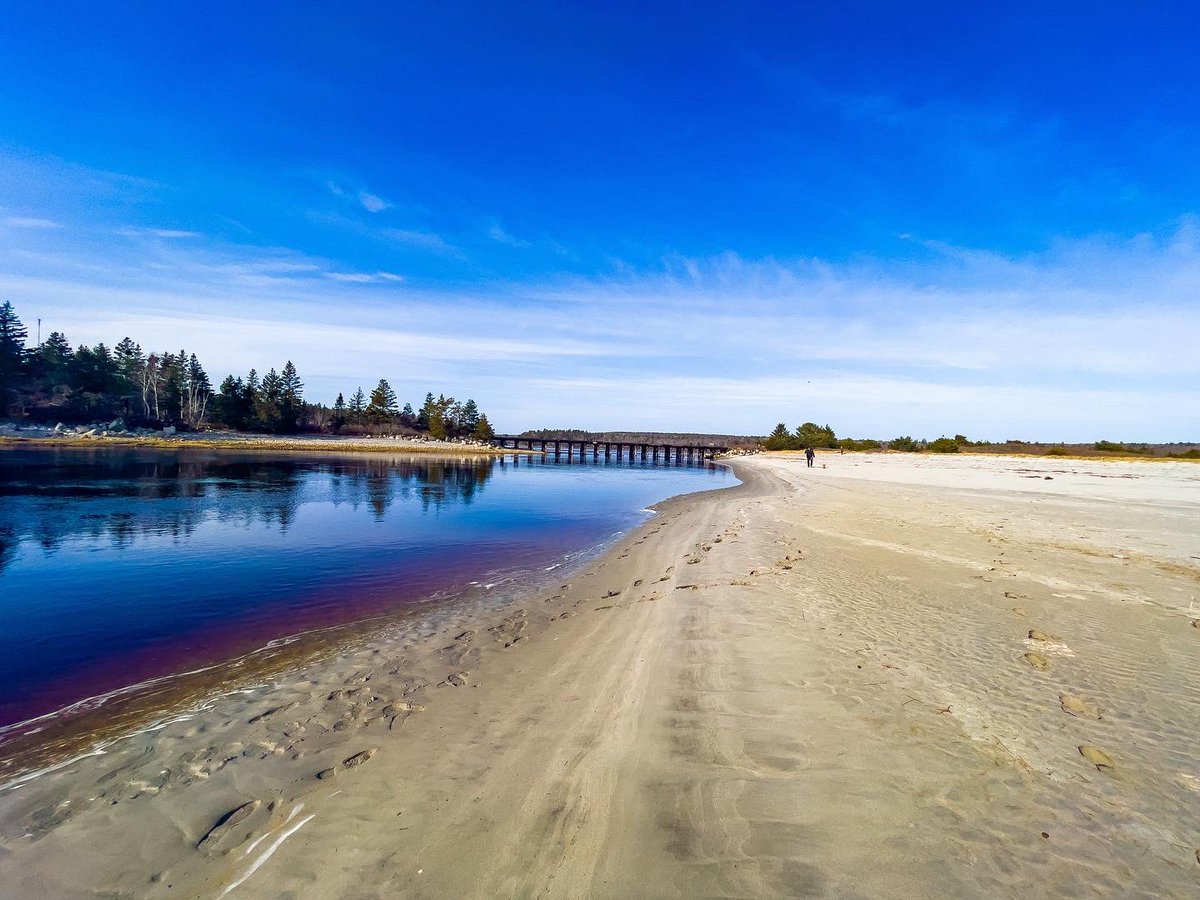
889, 676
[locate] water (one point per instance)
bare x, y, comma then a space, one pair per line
118, 565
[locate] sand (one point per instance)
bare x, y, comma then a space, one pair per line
887, 676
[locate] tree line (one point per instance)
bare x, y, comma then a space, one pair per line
54, 381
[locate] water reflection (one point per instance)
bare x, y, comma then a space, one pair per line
118, 565
48, 497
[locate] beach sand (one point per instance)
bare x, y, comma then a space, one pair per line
886, 676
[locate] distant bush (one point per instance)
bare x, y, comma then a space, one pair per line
1058, 450
905, 444
943, 445
1114, 447
858, 444
1188, 454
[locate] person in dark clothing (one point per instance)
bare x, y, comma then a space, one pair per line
810, 454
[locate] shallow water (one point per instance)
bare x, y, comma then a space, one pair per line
119, 565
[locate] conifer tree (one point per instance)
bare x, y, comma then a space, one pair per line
383, 401
12, 354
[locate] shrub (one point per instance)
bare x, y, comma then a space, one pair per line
1058, 450
905, 444
1114, 447
858, 444
943, 445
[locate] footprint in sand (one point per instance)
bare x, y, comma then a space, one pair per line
1037, 661
1036, 634
1079, 707
1096, 757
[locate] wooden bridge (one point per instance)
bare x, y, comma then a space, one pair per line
680, 454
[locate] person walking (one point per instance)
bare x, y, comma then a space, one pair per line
810, 454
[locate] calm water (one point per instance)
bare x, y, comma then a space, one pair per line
120, 565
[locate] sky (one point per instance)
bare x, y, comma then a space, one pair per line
894, 218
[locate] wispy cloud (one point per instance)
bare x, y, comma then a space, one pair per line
365, 277
1089, 338
166, 234
29, 222
424, 240
500, 236
372, 202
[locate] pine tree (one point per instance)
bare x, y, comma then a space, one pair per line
291, 402
408, 418
129, 360
339, 412
358, 403
12, 354
779, 439
470, 417
197, 391
267, 411
483, 429
53, 361
428, 410
383, 401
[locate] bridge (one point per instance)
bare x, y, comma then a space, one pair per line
680, 454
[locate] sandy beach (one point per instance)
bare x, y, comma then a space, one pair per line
886, 676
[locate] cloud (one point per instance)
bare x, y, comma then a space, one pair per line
424, 240
372, 203
1089, 338
364, 277
29, 222
168, 234
500, 236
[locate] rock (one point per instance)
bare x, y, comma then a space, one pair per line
326, 773
59, 428
228, 822
1096, 757
1038, 661
359, 758
1077, 706
117, 424
1036, 634
169, 430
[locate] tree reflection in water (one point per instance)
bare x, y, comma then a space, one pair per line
54, 495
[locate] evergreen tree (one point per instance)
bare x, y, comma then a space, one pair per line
197, 392
483, 429
291, 402
12, 354
469, 417
428, 410
52, 361
383, 401
339, 412
358, 405
779, 439
129, 361
269, 395
408, 418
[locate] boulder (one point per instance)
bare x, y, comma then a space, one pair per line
117, 424
169, 430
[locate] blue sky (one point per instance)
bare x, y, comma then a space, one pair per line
896, 218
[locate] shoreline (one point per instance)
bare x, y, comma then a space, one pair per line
252, 442
50, 740
815, 682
